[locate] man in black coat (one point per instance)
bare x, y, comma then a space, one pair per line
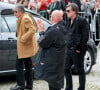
49, 64
78, 34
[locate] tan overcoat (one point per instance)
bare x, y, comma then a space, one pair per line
26, 42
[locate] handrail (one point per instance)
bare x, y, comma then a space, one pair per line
97, 26
89, 17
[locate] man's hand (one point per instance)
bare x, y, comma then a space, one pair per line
77, 51
40, 25
48, 11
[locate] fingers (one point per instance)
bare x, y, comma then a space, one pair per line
40, 25
77, 51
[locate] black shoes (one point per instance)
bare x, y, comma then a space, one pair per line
17, 87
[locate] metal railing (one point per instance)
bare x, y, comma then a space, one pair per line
97, 26
45, 14
93, 21
87, 15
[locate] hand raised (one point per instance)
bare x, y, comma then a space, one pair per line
40, 25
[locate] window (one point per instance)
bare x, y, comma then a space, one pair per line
4, 27
12, 23
46, 24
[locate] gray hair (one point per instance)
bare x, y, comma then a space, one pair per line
20, 8
74, 7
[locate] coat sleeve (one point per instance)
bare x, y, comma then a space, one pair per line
47, 38
30, 27
84, 34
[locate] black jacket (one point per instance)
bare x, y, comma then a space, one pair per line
49, 63
78, 34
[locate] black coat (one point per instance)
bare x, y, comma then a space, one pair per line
49, 64
78, 34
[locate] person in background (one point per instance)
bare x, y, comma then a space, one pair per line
9, 1
23, 2
97, 5
77, 37
20, 1
63, 4
33, 5
88, 6
43, 4
42, 7
26, 48
49, 63
54, 5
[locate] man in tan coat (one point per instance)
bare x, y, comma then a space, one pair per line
26, 48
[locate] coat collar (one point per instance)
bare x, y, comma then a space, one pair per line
76, 19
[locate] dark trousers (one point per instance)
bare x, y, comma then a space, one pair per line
78, 60
52, 88
21, 76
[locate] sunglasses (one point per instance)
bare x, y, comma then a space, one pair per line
68, 10
15, 11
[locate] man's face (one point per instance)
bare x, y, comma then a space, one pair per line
70, 13
17, 13
53, 18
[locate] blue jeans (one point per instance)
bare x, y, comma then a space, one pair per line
21, 76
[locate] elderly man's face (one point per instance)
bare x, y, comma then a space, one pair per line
53, 18
70, 12
17, 13
56, 16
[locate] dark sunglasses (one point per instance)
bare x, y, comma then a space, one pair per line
68, 10
15, 11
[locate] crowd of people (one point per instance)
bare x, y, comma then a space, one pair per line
45, 7
50, 5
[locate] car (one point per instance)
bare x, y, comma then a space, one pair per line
8, 52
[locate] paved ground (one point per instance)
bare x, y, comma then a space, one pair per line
93, 80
